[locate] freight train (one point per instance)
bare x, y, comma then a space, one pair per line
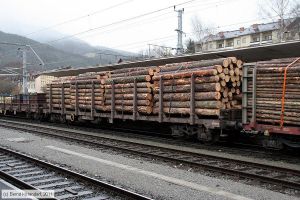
206, 99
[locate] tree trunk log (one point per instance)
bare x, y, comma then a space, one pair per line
186, 96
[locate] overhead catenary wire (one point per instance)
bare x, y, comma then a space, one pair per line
150, 20
79, 18
117, 22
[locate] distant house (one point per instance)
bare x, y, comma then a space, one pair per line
38, 83
257, 34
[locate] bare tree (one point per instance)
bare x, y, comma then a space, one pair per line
201, 31
190, 46
6, 86
281, 10
295, 11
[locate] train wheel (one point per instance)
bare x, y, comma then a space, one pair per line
63, 119
72, 117
207, 136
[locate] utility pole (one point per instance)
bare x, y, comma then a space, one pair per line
149, 56
25, 75
179, 31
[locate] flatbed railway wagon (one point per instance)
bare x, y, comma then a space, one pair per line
31, 105
192, 98
271, 102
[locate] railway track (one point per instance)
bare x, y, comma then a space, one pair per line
278, 178
27, 172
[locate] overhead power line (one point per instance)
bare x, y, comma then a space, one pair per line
79, 18
117, 22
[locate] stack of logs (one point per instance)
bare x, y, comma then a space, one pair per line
217, 82
123, 81
269, 91
88, 87
59, 87
216, 86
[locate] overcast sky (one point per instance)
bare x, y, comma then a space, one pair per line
27, 16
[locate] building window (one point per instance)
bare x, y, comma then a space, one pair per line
255, 38
229, 43
267, 37
210, 45
220, 45
238, 42
244, 40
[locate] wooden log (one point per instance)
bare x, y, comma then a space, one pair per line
222, 76
279, 96
275, 90
59, 96
142, 78
89, 86
209, 72
275, 121
288, 86
186, 111
186, 96
221, 61
226, 71
129, 85
233, 59
279, 74
87, 102
275, 69
279, 79
148, 71
274, 108
130, 102
186, 104
290, 104
88, 91
239, 64
129, 90
88, 98
278, 112
277, 82
227, 78
186, 81
219, 69
277, 117
140, 109
205, 87
279, 66
141, 96
278, 61
88, 107
126, 70
223, 83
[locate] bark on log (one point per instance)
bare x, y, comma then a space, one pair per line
130, 102
186, 81
141, 96
142, 78
130, 85
209, 72
186, 96
205, 87
129, 90
140, 109
186, 104
149, 71
187, 111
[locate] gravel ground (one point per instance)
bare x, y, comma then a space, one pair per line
145, 177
